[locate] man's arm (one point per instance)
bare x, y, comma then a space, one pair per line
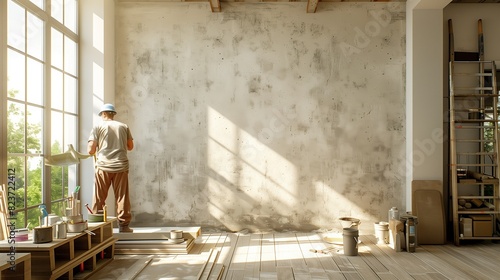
91, 147
130, 144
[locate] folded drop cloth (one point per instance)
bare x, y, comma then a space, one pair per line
67, 158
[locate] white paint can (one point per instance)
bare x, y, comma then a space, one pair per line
382, 232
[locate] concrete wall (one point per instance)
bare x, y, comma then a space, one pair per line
263, 116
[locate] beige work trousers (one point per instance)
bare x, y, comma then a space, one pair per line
119, 180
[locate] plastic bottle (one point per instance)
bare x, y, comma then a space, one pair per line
411, 237
393, 213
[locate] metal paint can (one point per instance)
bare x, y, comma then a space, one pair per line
350, 238
175, 234
61, 230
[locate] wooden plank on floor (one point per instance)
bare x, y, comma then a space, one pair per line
240, 253
226, 254
408, 261
297, 258
383, 254
283, 249
441, 264
284, 273
386, 276
329, 265
200, 242
134, 270
477, 258
311, 259
219, 267
456, 263
429, 276
208, 267
402, 264
362, 267
268, 255
352, 275
369, 258
252, 264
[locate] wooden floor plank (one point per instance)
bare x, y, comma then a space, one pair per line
369, 258
438, 261
362, 267
298, 262
311, 258
222, 243
329, 265
451, 261
383, 254
289, 256
284, 249
252, 265
478, 261
284, 272
408, 261
268, 255
240, 253
227, 252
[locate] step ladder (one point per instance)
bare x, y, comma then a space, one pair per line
473, 145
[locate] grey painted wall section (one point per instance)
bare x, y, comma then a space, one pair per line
263, 117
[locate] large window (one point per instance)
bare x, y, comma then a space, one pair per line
41, 102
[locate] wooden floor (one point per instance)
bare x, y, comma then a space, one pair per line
290, 256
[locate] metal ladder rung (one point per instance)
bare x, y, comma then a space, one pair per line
473, 95
487, 74
474, 127
472, 88
474, 141
475, 165
460, 127
476, 154
472, 62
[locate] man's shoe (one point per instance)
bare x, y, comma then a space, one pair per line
126, 229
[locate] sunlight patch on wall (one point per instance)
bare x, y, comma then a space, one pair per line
98, 80
246, 173
98, 33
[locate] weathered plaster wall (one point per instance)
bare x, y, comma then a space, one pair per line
263, 116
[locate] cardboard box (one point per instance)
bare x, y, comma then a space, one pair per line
482, 225
466, 227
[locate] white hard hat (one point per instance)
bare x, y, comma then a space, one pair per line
107, 108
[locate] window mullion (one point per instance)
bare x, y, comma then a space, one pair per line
3, 90
47, 112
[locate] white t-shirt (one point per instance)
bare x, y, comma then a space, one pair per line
111, 137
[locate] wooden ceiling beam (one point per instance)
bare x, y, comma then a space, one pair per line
312, 5
215, 6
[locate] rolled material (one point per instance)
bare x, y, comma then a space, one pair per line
478, 176
489, 205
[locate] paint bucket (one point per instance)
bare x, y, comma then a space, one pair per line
382, 232
77, 227
350, 238
61, 230
95, 218
176, 234
349, 222
42, 234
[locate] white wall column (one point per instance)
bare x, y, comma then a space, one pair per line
425, 87
97, 78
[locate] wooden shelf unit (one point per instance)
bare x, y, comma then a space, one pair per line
22, 268
473, 135
76, 257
